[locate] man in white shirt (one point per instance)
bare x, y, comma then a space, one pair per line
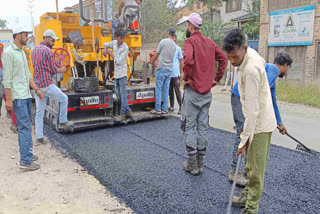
259, 115
119, 55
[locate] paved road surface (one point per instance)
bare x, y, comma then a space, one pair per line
141, 164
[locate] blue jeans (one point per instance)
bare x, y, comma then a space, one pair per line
120, 86
22, 109
54, 93
114, 25
1, 79
239, 121
163, 78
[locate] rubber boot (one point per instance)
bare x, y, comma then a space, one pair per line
241, 180
191, 165
241, 200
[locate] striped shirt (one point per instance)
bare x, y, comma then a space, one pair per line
43, 65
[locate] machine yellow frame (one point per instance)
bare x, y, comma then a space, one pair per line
64, 23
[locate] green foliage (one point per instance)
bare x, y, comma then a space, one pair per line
155, 20
296, 92
181, 36
209, 3
3, 24
215, 30
171, 4
252, 28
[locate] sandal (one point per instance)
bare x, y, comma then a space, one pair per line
153, 111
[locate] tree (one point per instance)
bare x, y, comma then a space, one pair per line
3, 24
215, 30
155, 20
252, 28
171, 4
209, 3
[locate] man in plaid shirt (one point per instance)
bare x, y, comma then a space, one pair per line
44, 70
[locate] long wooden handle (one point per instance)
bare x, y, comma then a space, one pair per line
234, 184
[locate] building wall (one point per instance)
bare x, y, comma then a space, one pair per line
185, 11
145, 51
226, 17
306, 66
6, 37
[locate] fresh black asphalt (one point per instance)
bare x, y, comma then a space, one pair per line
141, 164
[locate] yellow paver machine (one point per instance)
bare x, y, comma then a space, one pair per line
88, 82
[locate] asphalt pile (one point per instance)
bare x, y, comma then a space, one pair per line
141, 164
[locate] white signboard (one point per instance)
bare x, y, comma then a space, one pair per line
144, 95
292, 27
88, 101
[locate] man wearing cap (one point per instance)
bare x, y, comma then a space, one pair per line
17, 81
200, 55
165, 53
44, 69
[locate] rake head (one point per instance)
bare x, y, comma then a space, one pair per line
308, 151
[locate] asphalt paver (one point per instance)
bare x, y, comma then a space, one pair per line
141, 164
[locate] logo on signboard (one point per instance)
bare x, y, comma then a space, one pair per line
144, 95
87, 101
289, 26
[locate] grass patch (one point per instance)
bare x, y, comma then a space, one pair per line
296, 92
138, 66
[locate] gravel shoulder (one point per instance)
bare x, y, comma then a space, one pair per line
59, 186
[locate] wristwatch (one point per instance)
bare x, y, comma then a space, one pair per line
36, 90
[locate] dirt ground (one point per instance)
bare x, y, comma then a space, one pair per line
60, 186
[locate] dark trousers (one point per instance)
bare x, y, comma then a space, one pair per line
239, 121
175, 84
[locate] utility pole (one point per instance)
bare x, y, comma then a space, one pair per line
31, 6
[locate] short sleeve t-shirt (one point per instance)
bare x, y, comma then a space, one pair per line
176, 62
166, 49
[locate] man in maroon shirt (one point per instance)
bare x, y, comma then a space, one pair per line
200, 55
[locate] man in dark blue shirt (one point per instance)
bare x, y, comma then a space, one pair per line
282, 62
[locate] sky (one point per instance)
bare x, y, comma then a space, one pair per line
16, 11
